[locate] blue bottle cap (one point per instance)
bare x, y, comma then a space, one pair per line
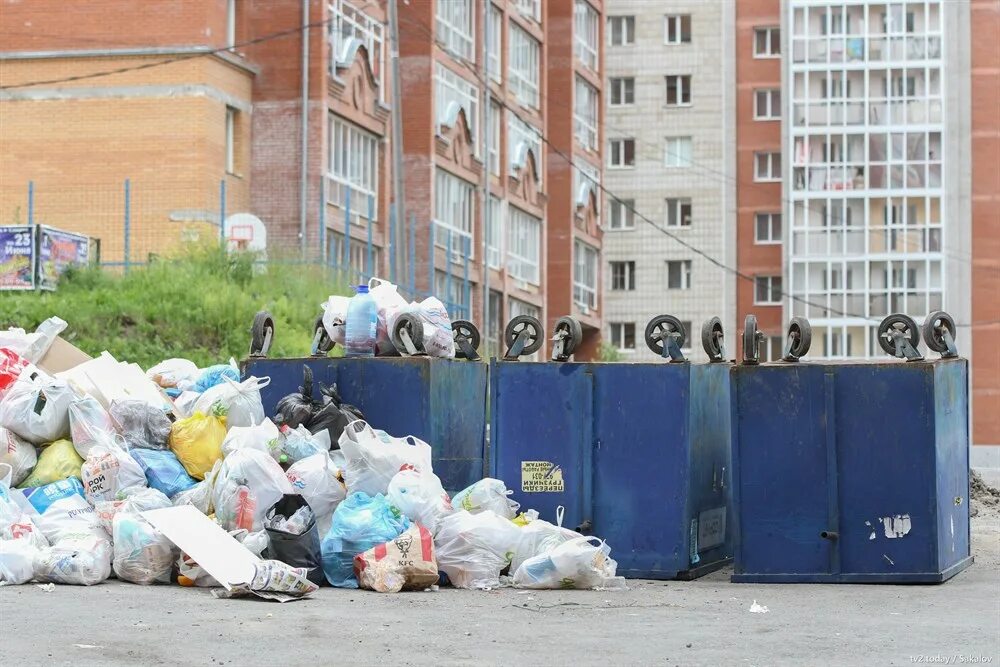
362, 289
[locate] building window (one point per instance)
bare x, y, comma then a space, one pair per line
585, 33
585, 275
767, 104
622, 153
451, 288
524, 66
521, 138
495, 45
352, 170
360, 261
678, 212
621, 30
677, 29
454, 211
622, 91
679, 274
348, 23
524, 246
622, 276
585, 114
622, 335
678, 90
530, 8
496, 120
767, 228
767, 167
677, 151
767, 290
773, 348
455, 26
622, 214
494, 233
451, 90
766, 42
231, 23
231, 140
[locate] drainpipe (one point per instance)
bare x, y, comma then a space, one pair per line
304, 148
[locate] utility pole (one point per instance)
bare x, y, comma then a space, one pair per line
398, 207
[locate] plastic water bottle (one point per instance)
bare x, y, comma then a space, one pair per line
362, 322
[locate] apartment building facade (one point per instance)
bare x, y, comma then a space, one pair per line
671, 162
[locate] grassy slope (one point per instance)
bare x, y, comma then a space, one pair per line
199, 307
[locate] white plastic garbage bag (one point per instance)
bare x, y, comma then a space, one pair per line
184, 404
18, 453
78, 558
17, 561
170, 372
200, 495
89, 423
335, 318
538, 537
299, 443
37, 409
388, 302
439, 340
60, 509
265, 437
15, 522
108, 470
315, 479
374, 457
583, 562
33, 346
486, 494
472, 549
420, 496
142, 554
248, 483
241, 401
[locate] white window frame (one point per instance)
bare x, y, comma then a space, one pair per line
585, 275
450, 87
674, 155
769, 281
767, 31
524, 246
585, 102
619, 26
772, 110
494, 61
520, 137
619, 328
353, 164
684, 86
678, 23
455, 26
457, 299
617, 153
769, 176
619, 86
685, 273
495, 232
454, 213
231, 139
529, 8
626, 214
773, 220
628, 275
496, 122
523, 65
675, 206
231, 24
585, 34
348, 23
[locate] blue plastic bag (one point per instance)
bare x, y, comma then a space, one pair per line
163, 471
213, 375
361, 522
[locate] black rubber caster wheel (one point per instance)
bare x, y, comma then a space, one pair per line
800, 332
322, 344
659, 327
261, 334
574, 329
467, 330
534, 332
932, 334
711, 338
751, 342
414, 329
897, 322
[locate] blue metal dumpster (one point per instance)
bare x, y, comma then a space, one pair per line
851, 471
638, 454
440, 401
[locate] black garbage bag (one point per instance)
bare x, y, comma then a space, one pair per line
327, 411
141, 424
295, 409
298, 549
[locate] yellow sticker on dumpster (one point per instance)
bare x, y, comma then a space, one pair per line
541, 477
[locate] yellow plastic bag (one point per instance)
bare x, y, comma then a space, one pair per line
197, 442
56, 461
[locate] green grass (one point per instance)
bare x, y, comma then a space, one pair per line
199, 307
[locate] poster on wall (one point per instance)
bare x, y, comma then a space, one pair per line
57, 251
17, 258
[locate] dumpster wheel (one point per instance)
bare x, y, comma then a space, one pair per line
798, 339
261, 334
898, 336
322, 343
567, 334
713, 339
407, 335
939, 333
467, 339
751, 340
527, 327
659, 329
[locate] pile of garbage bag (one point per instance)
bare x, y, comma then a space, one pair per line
90, 473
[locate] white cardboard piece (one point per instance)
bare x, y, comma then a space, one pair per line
215, 550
